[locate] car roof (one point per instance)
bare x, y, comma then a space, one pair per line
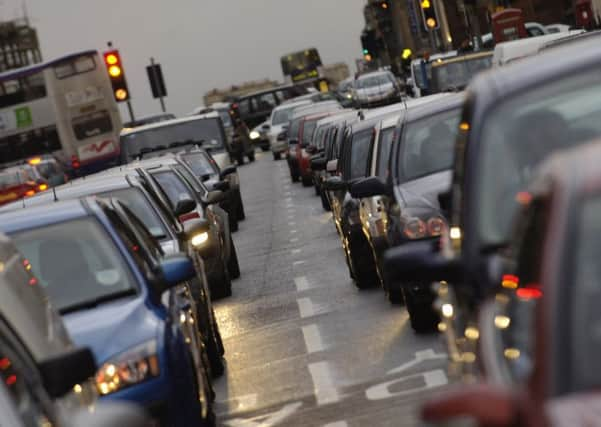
460, 58
262, 91
376, 112
456, 100
337, 116
500, 83
166, 123
41, 215
287, 105
315, 108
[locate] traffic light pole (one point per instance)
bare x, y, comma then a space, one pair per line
131, 111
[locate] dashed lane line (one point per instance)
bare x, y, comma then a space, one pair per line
323, 385
313, 340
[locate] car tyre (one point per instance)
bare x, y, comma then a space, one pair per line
422, 316
215, 358
277, 156
240, 207
209, 393
307, 181
232, 265
395, 296
221, 285
264, 148
294, 176
363, 269
251, 157
325, 203
234, 226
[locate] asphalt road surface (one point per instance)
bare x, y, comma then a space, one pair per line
304, 347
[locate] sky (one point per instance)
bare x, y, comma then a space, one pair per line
201, 44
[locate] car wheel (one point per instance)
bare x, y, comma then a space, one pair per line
395, 296
233, 224
232, 264
325, 203
277, 156
422, 315
221, 285
264, 148
240, 158
363, 265
240, 206
317, 190
251, 156
215, 359
203, 393
294, 176
307, 181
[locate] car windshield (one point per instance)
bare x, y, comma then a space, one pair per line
200, 164
225, 118
585, 292
428, 145
520, 133
76, 263
173, 186
135, 200
281, 116
456, 75
308, 130
360, 153
209, 131
373, 81
294, 128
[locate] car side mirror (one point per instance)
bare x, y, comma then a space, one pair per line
335, 183
483, 405
176, 269
109, 414
221, 186
184, 206
331, 166
60, 374
422, 261
293, 141
265, 126
369, 187
227, 171
318, 163
214, 197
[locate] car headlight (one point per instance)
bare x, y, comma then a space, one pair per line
199, 239
255, 135
135, 366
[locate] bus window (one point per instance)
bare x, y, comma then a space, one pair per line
92, 124
80, 65
18, 91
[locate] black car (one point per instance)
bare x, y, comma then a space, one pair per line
512, 120
136, 194
253, 109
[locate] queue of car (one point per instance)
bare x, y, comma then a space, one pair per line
127, 263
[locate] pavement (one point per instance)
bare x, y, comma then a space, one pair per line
305, 347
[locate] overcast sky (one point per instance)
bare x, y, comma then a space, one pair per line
201, 44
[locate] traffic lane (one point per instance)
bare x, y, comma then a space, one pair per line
304, 346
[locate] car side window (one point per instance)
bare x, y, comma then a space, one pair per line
191, 180
267, 101
244, 106
149, 241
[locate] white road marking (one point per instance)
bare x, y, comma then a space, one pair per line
325, 391
296, 251
432, 379
302, 284
298, 262
268, 420
244, 402
294, 240
337, 424
291, 223
420, 356
313, 340
305, 307
293, 231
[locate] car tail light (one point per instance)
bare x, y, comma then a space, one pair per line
529, 292
30, 193
415, 229
75, 162
436, 226
42, 187
186, 217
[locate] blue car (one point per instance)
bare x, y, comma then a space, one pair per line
117, 294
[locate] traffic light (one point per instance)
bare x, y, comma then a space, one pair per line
383, 16
369, 44
114, 67
429, 15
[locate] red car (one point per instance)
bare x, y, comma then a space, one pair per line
305, 148
19, 182
539, 341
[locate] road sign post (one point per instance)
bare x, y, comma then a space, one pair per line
157, 83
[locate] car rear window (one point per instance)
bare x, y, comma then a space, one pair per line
173, 186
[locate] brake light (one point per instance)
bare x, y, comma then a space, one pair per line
510, 281
186, 217
42, 187
415, 229
435, 226
75, 162
30, 193
529, 292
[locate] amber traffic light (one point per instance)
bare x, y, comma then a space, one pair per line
429, 15
114, 68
